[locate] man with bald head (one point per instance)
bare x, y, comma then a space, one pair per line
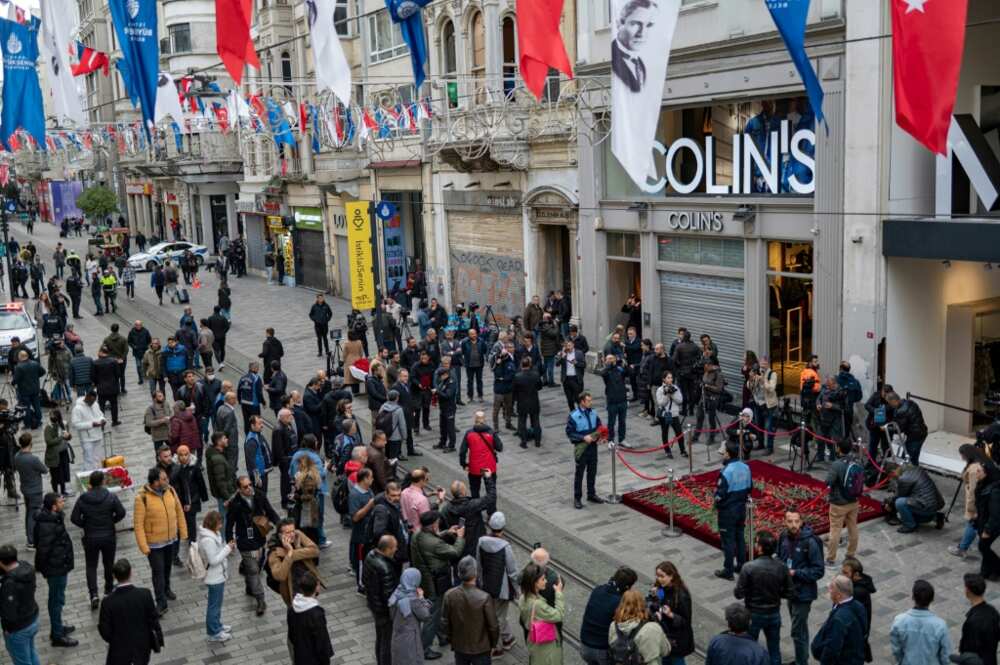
540, 557
841, 640
284, 443
462, 506
189, 483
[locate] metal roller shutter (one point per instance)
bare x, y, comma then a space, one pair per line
312, 266
705, 304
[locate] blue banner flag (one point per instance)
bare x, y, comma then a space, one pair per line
411, 23
22, 96
790, 18
314, 116
135, 25
280, 128
178, 139
126, 75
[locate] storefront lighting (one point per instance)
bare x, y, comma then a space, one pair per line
946, 263
988, 267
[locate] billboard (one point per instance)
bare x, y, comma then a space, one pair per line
64, 194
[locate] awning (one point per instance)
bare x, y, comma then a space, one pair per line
942, 239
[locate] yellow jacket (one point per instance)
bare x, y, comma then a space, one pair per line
159, 518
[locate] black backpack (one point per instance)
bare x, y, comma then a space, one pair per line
383, 422
341, 491
623, 650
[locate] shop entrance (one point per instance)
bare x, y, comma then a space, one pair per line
790, 311
624, 280
220, 218
555, 251
986, 367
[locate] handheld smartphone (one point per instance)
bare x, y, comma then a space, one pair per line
461, 522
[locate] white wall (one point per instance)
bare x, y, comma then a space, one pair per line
918, 352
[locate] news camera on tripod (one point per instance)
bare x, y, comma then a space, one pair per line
10, 423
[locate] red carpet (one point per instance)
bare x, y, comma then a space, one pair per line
774, 489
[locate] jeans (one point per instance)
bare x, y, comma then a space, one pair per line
432, 627
586, 464
550, 367
250, 566
456, 376
616, 413
57, 599
321, 497
474, 375
160, 561
764, 419
213, 612
592, 656
97, 304
473, 659
733, 544
912, 518
383, 639
157, 384
799, 612
968, 536
21, 645
105, 549
32, 504
138, 368
913, 450
771, 625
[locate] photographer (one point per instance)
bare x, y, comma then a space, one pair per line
357, 330
9, 423
320, 314
809, 387
907, 415
669, 404
831, 405
712, 385
762, 382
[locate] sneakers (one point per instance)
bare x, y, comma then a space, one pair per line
723, 575
954, 550
227, 628
831, 564
95, 603
220, 637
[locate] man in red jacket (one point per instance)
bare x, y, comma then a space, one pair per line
478, 452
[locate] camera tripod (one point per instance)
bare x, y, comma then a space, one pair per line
334, 358
490, 323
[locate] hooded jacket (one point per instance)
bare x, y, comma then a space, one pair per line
189, 483
221, 483
840, 640
54, 548
17, 591
96, 512
399, 429
308, 632
497, 568
83, 419
649, 639
216, 554
804, 555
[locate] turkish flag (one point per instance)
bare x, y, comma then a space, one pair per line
927, 41
232, 36
540, 42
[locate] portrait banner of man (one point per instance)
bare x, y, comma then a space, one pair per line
643, 33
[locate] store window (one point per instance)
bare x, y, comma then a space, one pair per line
790, 310
724, 252
180, 38
343, 26
622, 245
449, 61
509, 55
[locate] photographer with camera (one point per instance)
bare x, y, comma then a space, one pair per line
879, 414
762, 382
357, 331
713, 384
909, 418
447, 397
830, 405
669, 405
809, 387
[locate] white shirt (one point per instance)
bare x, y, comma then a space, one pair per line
83, 419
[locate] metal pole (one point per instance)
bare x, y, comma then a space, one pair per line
670, 531
5, 226
802, 441
741, 435
688, 437
614, 497
750, 542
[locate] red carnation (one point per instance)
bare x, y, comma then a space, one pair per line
602, 433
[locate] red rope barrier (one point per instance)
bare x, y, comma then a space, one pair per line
639, 473
646, 451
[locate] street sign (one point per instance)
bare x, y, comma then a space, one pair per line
385, 211
11, 206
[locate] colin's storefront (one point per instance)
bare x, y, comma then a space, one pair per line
726, 243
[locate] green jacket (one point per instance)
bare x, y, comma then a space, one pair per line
221, 480
152, 363
54, 445
117, 345
650, 639
543, 654
430, 554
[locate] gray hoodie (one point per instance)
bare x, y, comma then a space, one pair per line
399, 430
489, 551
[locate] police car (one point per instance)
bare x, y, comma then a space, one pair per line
15, 322
158, 254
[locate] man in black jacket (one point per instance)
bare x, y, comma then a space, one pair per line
271, 351
246, 506
614, 375
308, 633
864, 587
284, 443
762, 584
800, 550
96, 512
139, 340
918, 499
907, 415
405, 400
54, 560
422, 380
219, 325
527, 384
387, 520
462, 506
380, 576
74, 289
129, 622
447, 396
107, 384
320, 314
572, 368
685, 355
841, 639
18, 611
981, 629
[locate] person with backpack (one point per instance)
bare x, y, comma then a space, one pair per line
250, 391
802, 553
846, 481
599, 615
310, 449
879, 414
762, 584
391, 420
97, 511
290, 556
497, 574
212, 557
478, 452
910, 420
433, 553
830, 406
635, 638
249, 519
539, 619
852, 395
159, 523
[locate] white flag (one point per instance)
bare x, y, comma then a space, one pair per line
643, 32
63, 93
332, 70
168, 102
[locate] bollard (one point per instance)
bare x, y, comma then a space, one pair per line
670, 531
741, 436
614, 497
750, 541
688, 439
802, 442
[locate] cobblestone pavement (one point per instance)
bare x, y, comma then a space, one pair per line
535, 492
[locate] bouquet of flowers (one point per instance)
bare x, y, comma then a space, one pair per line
602, 433
117, 476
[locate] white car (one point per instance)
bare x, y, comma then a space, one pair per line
15, 322
159, 253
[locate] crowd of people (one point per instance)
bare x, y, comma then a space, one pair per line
435, 564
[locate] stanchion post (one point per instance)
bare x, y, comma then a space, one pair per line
670, 531
688, 439
802, 441
750, 541
614, 497
742, 434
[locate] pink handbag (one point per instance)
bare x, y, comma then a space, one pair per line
542, 632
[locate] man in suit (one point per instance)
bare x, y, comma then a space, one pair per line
128, 621
225, 421
402, 387
633, 25
527, 383
284, 443
572, 367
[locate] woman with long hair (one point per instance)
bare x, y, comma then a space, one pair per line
215, 554
749, 362
975, 468
539, 619
671, 595
632, 621
988, 516
307, 498
57, 452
